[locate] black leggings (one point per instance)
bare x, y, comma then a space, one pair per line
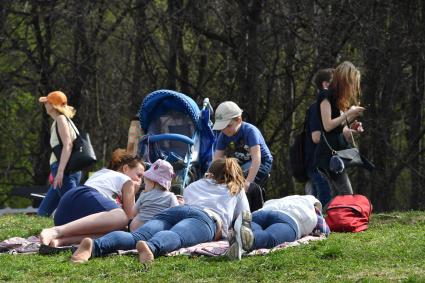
255, 196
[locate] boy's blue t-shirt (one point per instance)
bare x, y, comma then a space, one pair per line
238, 145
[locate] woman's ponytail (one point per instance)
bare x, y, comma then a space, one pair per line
227, 171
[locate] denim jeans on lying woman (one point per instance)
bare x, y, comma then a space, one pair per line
272, 228
53, 196
174, 228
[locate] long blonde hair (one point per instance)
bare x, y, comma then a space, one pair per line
227, 171
346, 83
66, 110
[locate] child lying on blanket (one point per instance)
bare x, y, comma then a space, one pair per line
280, 220
211, 204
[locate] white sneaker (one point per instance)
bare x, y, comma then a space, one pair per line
241, 239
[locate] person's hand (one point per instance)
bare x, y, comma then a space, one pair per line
136, 185
58, 180
247, 185
354, 112
136, 182
180, 199
357, 127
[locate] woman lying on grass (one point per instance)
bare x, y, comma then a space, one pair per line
155, 198
103, 204
280, 220
212, 204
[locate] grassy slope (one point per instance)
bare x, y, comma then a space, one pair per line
393, 249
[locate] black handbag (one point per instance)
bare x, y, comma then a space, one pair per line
82, 154
346, 158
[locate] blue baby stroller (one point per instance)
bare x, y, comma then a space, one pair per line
177, 130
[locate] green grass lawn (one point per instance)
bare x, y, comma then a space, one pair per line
392, 250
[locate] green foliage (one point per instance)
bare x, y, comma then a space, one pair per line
108, 55
391, 250
18, 145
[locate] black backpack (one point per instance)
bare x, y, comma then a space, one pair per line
296, 154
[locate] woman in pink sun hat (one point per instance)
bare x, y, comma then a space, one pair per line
156, 196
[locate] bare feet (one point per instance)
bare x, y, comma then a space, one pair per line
55, 243
49, 234
84, 251
145, 253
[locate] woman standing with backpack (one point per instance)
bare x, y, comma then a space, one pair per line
337, 106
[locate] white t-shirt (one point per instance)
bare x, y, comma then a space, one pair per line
299, 208
108, 182
206, 193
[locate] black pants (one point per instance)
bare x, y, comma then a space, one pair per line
256, 196
256, 193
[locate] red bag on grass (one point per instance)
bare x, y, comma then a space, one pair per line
348, 213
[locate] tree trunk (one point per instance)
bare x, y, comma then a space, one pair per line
139, 19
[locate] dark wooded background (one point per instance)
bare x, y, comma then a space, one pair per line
108, 55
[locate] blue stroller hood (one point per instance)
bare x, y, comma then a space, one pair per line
160, 116
161, 101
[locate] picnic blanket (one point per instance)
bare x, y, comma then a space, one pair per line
219, 248
18, 245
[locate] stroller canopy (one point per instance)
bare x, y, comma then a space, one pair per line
170, 104
161, 101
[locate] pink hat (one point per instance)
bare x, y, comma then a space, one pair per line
161, 172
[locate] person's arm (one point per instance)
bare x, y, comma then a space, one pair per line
355, 128
315, 137
314, 125
218, 154
135, 208
128, 193
326, 112
173, 200
65, 138
255, 152
134, 133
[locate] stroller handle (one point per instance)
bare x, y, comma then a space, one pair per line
206, 104
173, 137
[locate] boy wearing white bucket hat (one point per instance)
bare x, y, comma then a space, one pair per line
245, 142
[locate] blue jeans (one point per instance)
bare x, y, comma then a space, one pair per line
272, 228
51, 200
321, 189
174, 228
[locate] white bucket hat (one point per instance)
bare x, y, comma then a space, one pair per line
224, 113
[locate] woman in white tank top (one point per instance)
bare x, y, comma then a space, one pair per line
57, 108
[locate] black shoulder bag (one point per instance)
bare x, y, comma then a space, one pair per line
346, 158
82, 154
